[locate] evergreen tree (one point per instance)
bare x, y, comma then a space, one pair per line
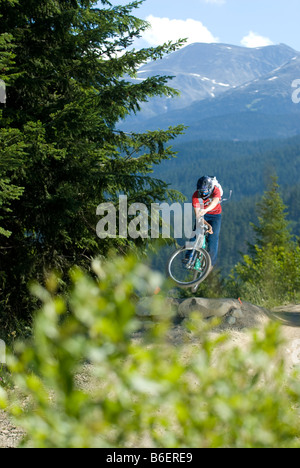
11, 148
270, 274
68, 85
273, 227
11, 155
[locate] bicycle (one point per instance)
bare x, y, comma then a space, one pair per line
190, 265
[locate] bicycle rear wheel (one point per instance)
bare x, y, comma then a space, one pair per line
186, 271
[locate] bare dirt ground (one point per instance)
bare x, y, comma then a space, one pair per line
10, 435
250, 317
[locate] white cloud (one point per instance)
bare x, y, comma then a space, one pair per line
165, 29
255, 40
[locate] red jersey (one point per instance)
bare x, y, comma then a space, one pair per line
199, 202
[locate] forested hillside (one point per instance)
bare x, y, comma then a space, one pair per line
244, 168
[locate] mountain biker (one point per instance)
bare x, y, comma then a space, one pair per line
206, 202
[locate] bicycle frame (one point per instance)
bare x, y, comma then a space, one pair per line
199, 243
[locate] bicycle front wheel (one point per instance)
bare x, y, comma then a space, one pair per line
187, 266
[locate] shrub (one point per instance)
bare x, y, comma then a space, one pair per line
90, 380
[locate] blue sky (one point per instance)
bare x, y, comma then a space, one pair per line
252, 23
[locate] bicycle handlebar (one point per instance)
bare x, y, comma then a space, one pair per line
226, 199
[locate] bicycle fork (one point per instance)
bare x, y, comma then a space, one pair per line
194, 262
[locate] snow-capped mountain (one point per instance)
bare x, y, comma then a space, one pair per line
218, 83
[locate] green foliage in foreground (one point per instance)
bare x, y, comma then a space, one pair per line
88, 383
